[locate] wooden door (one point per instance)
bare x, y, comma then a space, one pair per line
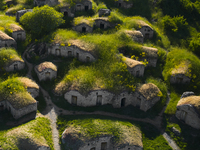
74, 100
138, 102
83, 29
137, 73
86, 8
101, 26
99, 100
104, 146
69, 53
77, 56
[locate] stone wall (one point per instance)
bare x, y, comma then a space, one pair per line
147, 32
21, 13
137, 71
188, 114
45, 2
67, 11
97, 144
100, 23
34, 92
138, 39
94, 98
151, 61
124, 4
79, 28
147, 104
179, 79
17, 113
43, 75
16, 35
17, 65
8, 43
43, 148
87, 5
74, 52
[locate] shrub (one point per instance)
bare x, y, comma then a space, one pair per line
41, 21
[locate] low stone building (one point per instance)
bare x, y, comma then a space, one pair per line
83, 27
20, 13
67, 10
179, 74
18, 33
146, 30
135, 35
146, 96
45, 2
130, 136
188, 111
7, 41
124, 3
136, 68
19, 104
102, 23
83, 5
46, 71
104, 12
14, 65
93, 98
81, 50
31, 86
150, 55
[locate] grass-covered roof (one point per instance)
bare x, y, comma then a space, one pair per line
4, 36
46, 65
31, 135
149, 91
86, 20
83, 130
190, 100
131, 62
8, 56
183, 61
28, 83
14, 91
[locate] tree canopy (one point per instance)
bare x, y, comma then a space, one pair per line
41, 21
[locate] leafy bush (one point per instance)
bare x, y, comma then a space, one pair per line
176, 26
41, 21
195, 44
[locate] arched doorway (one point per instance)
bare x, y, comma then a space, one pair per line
83, 29
123, 101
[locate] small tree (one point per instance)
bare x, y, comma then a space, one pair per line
41, 21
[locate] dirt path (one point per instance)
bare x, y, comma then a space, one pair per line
52, 111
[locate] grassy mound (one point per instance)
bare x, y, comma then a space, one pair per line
31, 135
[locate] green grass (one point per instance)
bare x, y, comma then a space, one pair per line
151, 137
171, 107
38, 130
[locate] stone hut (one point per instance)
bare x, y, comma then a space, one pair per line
136, 68
67, 10
102, 23
83, 5
75, 48
179, 74
20, 13
124, 3
83, 27
7, 41
72, 138
14, 64
135, 35
188, 111
31, 86
45, 2
104, 12
18, 33
146, 96
146, 30
46, 71
19, 104
150, 55
93, 98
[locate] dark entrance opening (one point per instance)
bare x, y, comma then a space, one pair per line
65, 13
120, 4
1, 107
77, 56
101, 26
86, 8
147, 35
123, 102
137, 73
15, 67
83, 29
